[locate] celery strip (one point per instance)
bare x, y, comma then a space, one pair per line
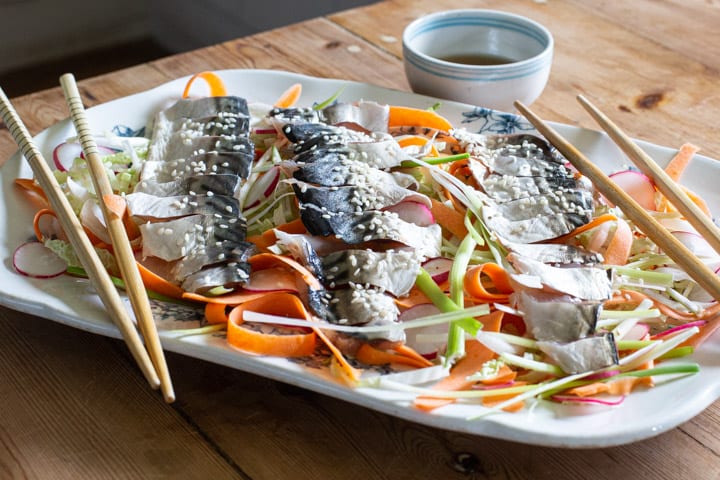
529, 364
435, 160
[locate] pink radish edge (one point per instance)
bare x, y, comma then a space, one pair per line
34, 259
638, 186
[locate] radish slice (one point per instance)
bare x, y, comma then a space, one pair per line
638, 332
427, 341
438, 268
696, 244
638, 186
263, 187
65, 154
413, 212
33, 259
49, 227
272, 280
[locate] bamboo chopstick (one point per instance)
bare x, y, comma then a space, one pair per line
672, 247
702, 223
120, 242
85, 251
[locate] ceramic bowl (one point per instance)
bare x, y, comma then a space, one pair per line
487, 58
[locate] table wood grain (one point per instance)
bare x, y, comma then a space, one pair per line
73, 405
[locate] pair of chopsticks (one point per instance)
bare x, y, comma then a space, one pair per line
151, 361
672, 247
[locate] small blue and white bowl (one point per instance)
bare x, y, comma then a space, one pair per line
464, 35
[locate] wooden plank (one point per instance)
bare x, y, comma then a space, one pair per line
648, 18
75, 405
666, 97
308, 435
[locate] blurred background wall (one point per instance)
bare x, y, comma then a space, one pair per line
40, 39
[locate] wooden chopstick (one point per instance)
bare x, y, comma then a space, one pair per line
672, 247
79, 240
120, 242
667, 186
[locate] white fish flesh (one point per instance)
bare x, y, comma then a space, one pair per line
556, 318
149, 207
584, 355
392, 271
586, 283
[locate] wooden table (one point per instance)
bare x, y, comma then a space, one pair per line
73, 405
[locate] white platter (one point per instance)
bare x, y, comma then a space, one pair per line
72, 302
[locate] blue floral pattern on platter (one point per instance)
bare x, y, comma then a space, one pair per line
125, 131
492, 121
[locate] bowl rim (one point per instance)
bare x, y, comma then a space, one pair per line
435, 65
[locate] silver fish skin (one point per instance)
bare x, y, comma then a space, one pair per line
586, 283
505, 188
372, 225
556, 318
150, 207
554, 253
216, 163
185, 144
174, 239
576, 203
205, 107
367, 307
217, 184
220, 124
370, 116
392, 271
356, 198
230, 276
530, 230
584, 355
208, 255
337, 170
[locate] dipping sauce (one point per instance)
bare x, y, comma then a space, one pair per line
477, 59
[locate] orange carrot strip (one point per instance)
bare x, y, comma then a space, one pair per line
449, 218
473, 282
370, 355
475, 355
283, 304
33, 190
416, 117
411, 353
290, 96
158, 284
492, 400
620, 386
618, 249
216, 313
268, 238
636, 297
607, 217
217, 86
681, 160
414, 297
492, 322
36, 222
118, 206
705, 332
233, 298
267, 260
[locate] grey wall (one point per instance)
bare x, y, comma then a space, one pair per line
35, 31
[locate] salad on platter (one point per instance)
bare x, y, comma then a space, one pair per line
397, 250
